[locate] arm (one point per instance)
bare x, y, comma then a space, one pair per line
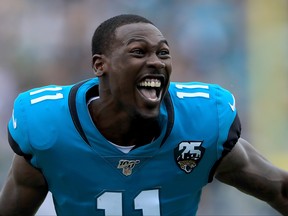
24, 191
248, 171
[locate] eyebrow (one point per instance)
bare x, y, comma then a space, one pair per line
142, 40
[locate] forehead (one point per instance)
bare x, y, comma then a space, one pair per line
139, 32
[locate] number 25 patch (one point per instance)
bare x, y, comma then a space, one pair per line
188, 154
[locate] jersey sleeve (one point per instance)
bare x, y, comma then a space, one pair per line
229, 125
36, 119
17, 128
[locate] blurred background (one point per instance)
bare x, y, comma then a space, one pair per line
239, 44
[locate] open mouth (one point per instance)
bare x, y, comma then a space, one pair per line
150, 88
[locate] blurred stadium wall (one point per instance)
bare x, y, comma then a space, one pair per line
267, 23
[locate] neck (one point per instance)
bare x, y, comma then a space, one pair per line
123, 130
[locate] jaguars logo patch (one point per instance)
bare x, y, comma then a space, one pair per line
188, 154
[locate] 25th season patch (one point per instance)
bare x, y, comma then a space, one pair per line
188, 154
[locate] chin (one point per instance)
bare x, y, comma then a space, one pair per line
148, 113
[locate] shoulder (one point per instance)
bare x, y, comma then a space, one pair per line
49, 100
213, 94
42, 116
209, 106
34, 113
40, 108
203, 101
41, 96
39, 103
197, 87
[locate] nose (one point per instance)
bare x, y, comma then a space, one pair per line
155, 62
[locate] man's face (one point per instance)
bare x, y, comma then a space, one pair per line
137, 71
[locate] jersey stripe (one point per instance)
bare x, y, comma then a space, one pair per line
73, 110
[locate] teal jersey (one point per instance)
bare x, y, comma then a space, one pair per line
52, 128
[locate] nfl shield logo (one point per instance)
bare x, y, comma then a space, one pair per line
127, 166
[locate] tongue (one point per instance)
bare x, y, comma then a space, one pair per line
149, 93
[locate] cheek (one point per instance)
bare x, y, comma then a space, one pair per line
122, 86
169, 67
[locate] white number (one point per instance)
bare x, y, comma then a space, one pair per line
181, 86
148, 201
190, 148
48, 96
111, 202
181, 94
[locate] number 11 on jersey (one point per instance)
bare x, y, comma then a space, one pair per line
147, 201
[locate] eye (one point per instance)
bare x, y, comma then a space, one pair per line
137, 52
164, 53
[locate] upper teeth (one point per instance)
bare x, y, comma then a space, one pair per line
150, 83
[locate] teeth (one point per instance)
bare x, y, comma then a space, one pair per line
150, 83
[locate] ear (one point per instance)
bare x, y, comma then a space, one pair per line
98, 63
